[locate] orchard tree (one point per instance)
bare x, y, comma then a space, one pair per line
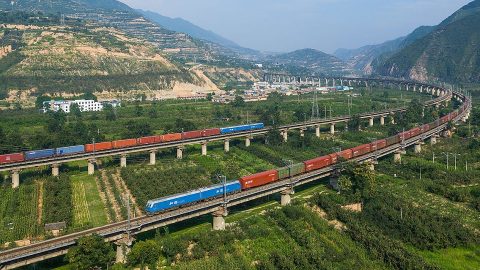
91, 252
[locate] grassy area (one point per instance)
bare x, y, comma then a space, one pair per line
454, 258
88, 207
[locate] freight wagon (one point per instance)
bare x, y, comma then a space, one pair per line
98, 147
172, 137
210, 132
191, 134
415, 132
70, 150
291, 171
317, 163
361, 150
377, 145
149, 140
258, 179
124, 143
11, 158
38, 154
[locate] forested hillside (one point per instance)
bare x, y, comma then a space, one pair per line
450, 53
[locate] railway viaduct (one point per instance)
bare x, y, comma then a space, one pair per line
442, 96
122, 233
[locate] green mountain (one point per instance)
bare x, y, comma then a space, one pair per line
450, 53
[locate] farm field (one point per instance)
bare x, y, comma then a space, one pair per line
89, 210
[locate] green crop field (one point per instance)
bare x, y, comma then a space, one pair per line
88, 207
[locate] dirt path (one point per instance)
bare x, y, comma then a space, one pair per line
104, 200
122, 186
111, 197
40, 203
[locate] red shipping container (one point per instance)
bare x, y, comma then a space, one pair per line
11, 158
124, 143
172, 137
317, 163
191, 134
415, 132
210, 132
425, 128
404, 135
333, 158
258, 179
345, 154
361, 150
149, 140
378, 145
98, 147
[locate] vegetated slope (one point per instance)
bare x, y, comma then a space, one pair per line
450, 53
314, 61
52, 59
179, 46
364, 58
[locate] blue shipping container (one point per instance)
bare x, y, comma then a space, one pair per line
217, 190
173, 201
241, 128
70, 150
39, 154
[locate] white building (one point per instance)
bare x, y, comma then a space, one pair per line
65, 105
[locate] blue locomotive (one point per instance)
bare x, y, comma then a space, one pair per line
241, 128
166, 203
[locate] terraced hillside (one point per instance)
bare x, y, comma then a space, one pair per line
56, 59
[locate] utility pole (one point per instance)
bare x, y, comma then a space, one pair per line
446, 154
455, 156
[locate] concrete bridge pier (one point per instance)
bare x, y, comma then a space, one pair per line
382, 121
124, 246
153, 157
285, 198
55, 169
123, 161
393, 120
248, 141
332, 129
227, 146
204, 148
370, 122
397, 156
285, 135
218, 223
91, 166
15, 178
417, 148
433, 140
317, 131
180, 152
302, 132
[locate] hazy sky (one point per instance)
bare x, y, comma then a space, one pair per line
286, 25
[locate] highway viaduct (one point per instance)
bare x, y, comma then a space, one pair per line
122, 233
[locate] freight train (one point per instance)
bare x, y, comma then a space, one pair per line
263, 178
119, 144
